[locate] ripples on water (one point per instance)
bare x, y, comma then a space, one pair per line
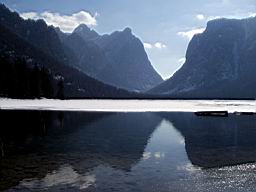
71, 151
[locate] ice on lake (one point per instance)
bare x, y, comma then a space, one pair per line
130, 105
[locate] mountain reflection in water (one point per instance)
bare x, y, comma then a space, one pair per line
70, 151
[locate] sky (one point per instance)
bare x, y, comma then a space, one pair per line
164, 26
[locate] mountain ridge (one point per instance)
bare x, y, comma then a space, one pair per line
76, 84
121, 62
219, 63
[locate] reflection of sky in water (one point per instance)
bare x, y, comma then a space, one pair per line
163, 166
65, 175
164, 140
162, 155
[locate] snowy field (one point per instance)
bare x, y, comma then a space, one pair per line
130, 105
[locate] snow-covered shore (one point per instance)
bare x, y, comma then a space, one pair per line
129, 105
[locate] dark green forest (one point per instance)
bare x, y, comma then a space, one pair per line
18, 79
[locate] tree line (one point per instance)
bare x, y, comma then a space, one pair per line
22, 79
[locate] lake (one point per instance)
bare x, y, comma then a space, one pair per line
132, 151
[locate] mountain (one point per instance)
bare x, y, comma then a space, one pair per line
36, 33
40, 46
118, 59
220, 63
85, 32
62, 36
86, 55
129, 62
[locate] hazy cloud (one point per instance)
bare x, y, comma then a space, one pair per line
67, 23
189, 34
237, 16
160, 45
29, 15
252, 15
200, 16
148, 46
157, 45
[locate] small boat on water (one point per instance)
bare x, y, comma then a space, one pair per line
212, 113
244, 113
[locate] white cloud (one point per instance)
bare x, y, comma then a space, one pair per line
148, 46
157, 45
31, 15
213, 17
237, 16
182, 60
160, 45
252, 14
67, 23
189, 34
200, 17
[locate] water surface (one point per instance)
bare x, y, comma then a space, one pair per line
71, 151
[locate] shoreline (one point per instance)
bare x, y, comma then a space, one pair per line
120, 105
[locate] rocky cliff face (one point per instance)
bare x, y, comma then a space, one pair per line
86, 55
129, 64
37, 33
118, 59
39, 45
221, 62
85, 32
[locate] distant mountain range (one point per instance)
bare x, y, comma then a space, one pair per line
118, 59
77, 64
220, 63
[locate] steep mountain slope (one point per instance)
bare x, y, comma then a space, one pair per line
62, 35
37, 33
87, 56
75, 83
129, 66
118, 59
220, 63
86, 33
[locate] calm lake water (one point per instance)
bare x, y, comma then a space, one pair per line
72, 151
